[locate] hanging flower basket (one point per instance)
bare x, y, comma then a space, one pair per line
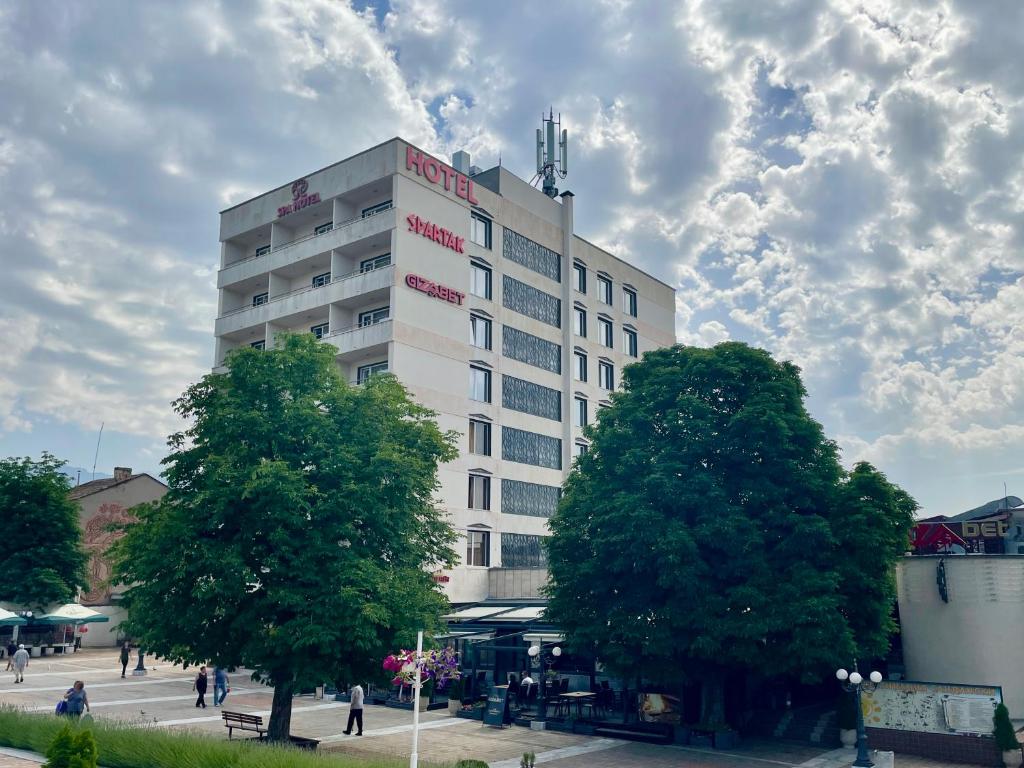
441, 666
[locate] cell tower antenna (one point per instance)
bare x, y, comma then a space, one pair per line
552, 152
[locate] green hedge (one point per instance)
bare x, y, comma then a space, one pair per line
126, 747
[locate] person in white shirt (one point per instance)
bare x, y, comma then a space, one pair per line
20, 662
355, 711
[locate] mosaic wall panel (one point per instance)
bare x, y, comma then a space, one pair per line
527, 348
531, 255
521, 550
531, 448
532, 499
527, 397
527, 300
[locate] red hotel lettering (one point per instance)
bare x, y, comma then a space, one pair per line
431, 288
432, 170
440, 235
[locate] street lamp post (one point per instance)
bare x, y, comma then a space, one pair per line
854, 683
548, 659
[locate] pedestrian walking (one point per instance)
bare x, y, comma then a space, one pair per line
20, 662
199, 686
220, 686
11, 650
77, 701
126, 650
355, 711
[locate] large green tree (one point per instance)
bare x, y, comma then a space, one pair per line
299, 528
700, 534
41, 545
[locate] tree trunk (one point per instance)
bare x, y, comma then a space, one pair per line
712, 698
280, 725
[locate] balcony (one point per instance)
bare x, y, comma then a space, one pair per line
361, 338
343, 234
516, 583
303, 300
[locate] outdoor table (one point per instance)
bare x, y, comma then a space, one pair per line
579, 697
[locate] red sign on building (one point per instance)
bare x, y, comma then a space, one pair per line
299, 198
431, 288
440, 235
436, 172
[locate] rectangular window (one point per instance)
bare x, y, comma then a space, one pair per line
527, 397
368, 265
378, 208
579, 412
604, 289
629, 341
579, 321
530, 499
478, 548
479, 280
629, 301
374, 316
531, 255
366, 371
260, 299
479, 331
321, 280
479, 492
580, 366
319, 330
605, 375
527, 348
322, 229
531, 448
579, 448
263, 250
579, 273
529, 301
261, 344
521, 550
606, 334
479, 384
480, 437
480, 230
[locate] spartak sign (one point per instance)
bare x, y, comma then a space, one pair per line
439, 235
299, 198
436, 172
431, 288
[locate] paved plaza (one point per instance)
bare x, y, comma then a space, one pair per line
164, 699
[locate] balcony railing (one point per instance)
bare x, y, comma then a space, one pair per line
304, 238
305, 289
352, 329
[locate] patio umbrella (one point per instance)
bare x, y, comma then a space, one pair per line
71, 613
8, 619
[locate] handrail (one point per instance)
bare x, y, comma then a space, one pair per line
355, 328
304, 289
304, 238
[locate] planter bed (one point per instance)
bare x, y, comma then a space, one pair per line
471, 714
652, 733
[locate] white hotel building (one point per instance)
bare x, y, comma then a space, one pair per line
472, 288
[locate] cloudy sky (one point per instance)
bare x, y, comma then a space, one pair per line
838, 181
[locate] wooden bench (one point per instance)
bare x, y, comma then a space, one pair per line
244, 722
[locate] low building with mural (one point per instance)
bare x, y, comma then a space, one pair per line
103, 504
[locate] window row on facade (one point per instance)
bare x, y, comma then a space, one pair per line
605, 289
517, 497
518, 550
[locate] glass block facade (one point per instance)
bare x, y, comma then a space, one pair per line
531, 499
531, 255
530, 349
527, 397
531, 448
521, 550
527, 300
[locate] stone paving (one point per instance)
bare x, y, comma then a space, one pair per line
164, 699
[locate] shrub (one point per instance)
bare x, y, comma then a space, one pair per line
1002, 729
846, 712
528, 760
471, 764
455, 689
71, 750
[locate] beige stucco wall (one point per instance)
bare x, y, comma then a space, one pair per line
975, 637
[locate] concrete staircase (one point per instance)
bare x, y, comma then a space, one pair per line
813, 725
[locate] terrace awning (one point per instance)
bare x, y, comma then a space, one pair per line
477, 612
8, 619
71, 613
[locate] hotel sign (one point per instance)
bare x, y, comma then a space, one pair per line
429, 287
436, 172
439, 235
299, 199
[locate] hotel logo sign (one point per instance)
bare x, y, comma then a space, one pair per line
300, 198
436, 172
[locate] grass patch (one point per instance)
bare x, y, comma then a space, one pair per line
125, 747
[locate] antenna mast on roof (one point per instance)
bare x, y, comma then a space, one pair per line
97, 454
552, 157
